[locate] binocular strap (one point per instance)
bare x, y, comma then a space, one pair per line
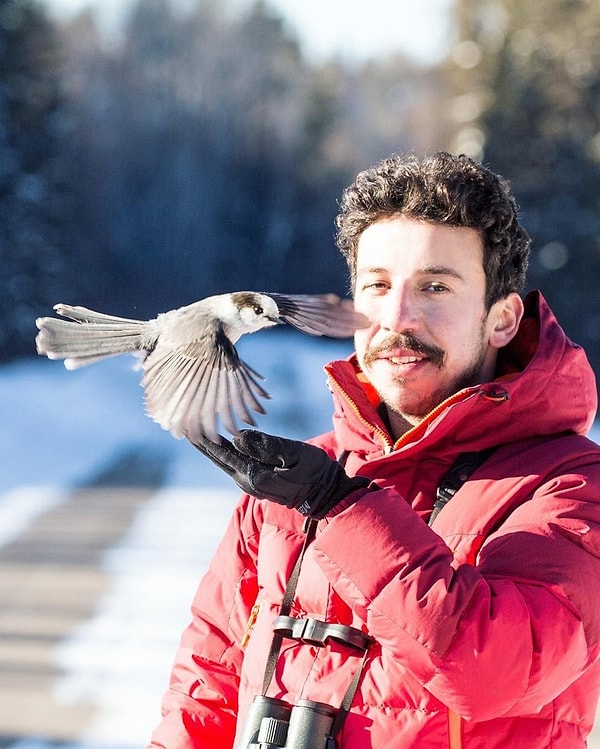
310, 528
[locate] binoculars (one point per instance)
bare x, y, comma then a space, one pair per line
272, 723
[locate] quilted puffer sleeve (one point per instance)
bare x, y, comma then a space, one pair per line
200, 705
525, 617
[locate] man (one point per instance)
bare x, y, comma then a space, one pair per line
472, 624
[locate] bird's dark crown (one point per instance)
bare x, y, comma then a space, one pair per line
245, 299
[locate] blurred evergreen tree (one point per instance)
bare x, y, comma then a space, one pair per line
527, 77
211, 154
33, 207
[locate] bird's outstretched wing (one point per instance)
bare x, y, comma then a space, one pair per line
320, 314
190, 388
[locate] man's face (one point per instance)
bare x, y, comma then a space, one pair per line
422, 285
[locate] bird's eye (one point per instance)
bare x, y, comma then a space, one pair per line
258, 310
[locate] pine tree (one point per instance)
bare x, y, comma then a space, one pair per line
527, 78
32, 207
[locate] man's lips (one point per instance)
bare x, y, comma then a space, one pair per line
404, 350
400, 356
394, 359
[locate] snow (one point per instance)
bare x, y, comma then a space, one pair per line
119, 660
61, 429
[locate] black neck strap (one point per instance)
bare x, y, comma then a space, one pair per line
461, 470
286, 606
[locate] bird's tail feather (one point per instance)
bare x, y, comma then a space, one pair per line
86, 336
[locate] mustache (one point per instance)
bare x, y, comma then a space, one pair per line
405, 341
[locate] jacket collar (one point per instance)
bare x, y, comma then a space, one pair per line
544, 385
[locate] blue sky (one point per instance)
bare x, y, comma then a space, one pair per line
364, 30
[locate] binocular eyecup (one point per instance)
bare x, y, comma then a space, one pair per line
275, 724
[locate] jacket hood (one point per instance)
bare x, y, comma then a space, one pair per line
544, 386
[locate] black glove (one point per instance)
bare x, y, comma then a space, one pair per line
288, 472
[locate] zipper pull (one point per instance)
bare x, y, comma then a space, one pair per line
250, 625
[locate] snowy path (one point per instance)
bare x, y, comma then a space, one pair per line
119, 660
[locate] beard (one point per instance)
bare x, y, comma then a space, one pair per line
416, 411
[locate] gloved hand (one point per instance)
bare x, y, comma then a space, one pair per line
288, 472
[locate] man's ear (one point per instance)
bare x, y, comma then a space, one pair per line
504, 318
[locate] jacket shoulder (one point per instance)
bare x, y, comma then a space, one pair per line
503, 488
326, 441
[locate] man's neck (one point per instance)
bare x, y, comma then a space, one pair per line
396, 423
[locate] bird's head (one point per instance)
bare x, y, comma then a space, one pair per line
256, 310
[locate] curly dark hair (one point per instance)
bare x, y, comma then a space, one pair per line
443, 189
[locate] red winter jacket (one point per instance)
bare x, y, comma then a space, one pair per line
486, 625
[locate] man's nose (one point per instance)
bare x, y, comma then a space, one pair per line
398, 311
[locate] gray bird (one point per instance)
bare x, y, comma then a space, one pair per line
193, 376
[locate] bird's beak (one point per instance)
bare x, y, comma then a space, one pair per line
274, 320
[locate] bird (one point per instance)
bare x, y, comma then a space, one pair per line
193, 377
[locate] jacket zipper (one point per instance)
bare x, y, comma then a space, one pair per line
454, 730
388, 445
454, 398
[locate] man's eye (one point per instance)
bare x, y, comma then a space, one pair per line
375, 286
435, 288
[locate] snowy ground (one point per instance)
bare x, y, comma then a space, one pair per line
62, 427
